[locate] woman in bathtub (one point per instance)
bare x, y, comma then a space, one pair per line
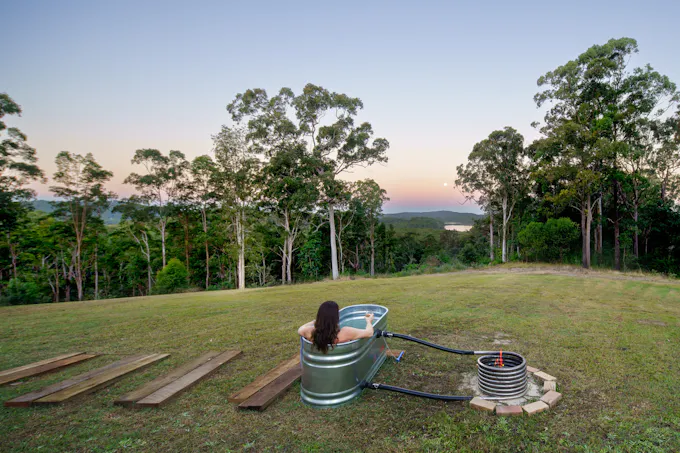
325, 330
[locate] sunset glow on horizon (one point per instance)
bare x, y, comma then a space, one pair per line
113, 77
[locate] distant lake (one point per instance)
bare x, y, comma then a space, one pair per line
457, 227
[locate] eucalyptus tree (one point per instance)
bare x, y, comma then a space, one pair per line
287, 178
496, 172
346, 211
236, 177
18, 167
597, 106
137, 219
372, 197
337, 145
81, 190
201, 192
159, 187
289, 195
666, 157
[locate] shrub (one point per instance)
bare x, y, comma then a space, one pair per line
469, 253
171, 278
548, 241
20, 292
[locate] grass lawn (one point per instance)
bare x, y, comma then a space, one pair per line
614, 345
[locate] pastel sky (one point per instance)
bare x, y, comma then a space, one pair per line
435, 77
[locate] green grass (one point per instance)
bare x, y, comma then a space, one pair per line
612, 343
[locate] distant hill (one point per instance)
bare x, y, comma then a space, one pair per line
109, 218
433, 219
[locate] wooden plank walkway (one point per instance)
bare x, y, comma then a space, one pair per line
165, 394
265, 396
100, 381
44, 366
29, 398
162, 381
252, 388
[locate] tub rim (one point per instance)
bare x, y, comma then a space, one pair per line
358, 339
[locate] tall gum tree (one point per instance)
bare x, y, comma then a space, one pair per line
160, 186
203, 193
324, 123
496, 173
236, 179
81, 189
666, 157
137, 220
372, 197
596, 106
18, 167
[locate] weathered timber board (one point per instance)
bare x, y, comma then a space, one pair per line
100, 381
29, 366
161, 381
44, 368
263, 398
252, 388
165, 394
28, 398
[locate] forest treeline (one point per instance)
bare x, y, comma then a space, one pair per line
269, 205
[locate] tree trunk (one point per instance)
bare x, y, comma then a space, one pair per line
598, 233
13, 252
617, 241
162, 228
56, 279
636, 237
504, 230
207, 249
334, 253
96, 273
617, 246
586, 219
372, 249
240, 241
341, 258
283, 264
185, 227
207, 265
148, 262
289, 274
78, 274
491, 253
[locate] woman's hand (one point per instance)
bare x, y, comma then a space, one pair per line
369, 318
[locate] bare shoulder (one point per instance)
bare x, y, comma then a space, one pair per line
349, 334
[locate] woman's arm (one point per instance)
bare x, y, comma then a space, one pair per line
351, 333
306, 330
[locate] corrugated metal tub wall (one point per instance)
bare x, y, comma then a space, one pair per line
335, 378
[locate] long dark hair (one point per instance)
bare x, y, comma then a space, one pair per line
326, 326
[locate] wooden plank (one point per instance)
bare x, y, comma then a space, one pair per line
262, 399
252, 388
28, 398
162, 381
175, 388
47, 367
100, 381
37, 364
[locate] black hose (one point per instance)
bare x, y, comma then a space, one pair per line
382, 333
432, 396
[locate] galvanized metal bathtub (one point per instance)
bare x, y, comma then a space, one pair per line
335, 378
